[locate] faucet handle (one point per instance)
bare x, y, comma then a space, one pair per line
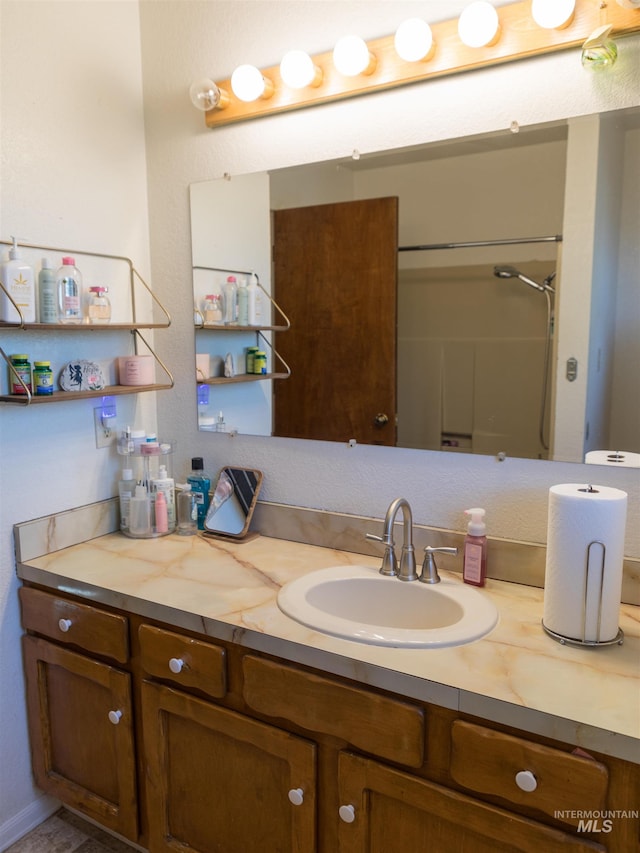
389, 565
429, 572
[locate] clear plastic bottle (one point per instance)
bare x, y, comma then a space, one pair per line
69, 286
47, 299
230, 301
187, 510
474, 561
200, 486
140, 512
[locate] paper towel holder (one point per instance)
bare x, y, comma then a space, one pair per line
574, 641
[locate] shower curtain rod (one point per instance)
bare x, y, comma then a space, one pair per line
556, 238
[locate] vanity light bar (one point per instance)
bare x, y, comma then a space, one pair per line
519, 37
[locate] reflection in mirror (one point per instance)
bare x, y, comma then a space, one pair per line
471, 347
233, 501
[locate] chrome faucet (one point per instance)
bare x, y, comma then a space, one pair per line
407, 570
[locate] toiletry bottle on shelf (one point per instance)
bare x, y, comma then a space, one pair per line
162, 520
243, 304
166, 485
140, 512
19, 284
187, 510
474, 561
47, 299
230, 301
212, 310
253, 303
200, 486
69, 286
98, 305
126, 490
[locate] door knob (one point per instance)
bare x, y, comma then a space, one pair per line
381, 419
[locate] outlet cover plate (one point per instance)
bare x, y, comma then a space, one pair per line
105, 435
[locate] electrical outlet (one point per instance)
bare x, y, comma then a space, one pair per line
105, 435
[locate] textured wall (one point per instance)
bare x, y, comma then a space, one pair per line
181, 42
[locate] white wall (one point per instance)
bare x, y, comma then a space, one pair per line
181, 42
72, 173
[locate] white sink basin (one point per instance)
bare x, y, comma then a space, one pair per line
358, 603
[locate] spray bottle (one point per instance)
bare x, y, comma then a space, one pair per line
474, 563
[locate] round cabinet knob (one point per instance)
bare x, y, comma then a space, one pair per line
526, 781
176, 665
381, 419
296, 796
114, 717
64, 625
347, 813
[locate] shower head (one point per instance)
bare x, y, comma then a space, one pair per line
512, 272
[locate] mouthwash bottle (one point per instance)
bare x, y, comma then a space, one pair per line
200, 486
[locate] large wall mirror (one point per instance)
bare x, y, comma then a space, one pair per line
479, 295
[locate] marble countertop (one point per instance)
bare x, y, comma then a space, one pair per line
517, 675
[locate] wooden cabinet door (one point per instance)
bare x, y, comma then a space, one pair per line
394, 812
219, 782
81, 729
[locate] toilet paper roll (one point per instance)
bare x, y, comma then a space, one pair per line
585, 552
621, 458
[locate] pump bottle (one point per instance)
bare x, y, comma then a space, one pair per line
19, 284
474, 564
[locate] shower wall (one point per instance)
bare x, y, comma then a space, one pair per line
471, 360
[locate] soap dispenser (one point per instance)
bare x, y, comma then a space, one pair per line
474, 561
19, 285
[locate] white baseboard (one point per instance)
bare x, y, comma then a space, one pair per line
23, 822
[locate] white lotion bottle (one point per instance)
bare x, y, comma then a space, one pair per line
19, 284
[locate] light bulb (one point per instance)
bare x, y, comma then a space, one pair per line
206, 95
351, 57
249, 84
552, 14
413, 40
298, 71
478, 25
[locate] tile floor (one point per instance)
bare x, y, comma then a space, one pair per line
65, 832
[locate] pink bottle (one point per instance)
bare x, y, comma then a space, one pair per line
474, 560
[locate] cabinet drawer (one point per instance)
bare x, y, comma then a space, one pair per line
183, 660
69, 622
385, 727
553, 781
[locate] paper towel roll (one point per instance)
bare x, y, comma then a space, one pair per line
621, 458
578, 516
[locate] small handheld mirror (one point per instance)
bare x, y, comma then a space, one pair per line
233, 501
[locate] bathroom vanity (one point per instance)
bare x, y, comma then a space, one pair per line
170, 700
